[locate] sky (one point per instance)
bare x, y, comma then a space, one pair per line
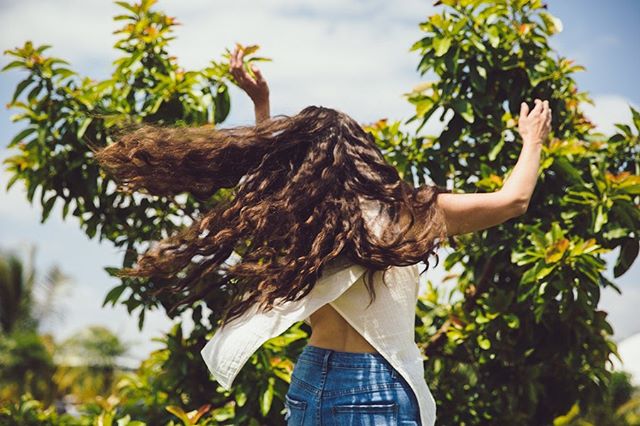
352, 55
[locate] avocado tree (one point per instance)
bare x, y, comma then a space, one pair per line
518, 337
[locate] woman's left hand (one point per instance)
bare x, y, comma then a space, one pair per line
257, 87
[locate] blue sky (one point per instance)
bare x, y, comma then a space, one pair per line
348, 54
604, 40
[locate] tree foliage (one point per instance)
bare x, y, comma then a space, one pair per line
519, 338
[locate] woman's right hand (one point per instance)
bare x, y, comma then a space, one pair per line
534, 125
256, 87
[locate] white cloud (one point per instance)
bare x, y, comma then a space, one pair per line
78, 31
608, 110
351, 55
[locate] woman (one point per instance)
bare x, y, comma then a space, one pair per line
315, 206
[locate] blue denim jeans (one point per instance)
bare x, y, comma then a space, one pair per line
348, 388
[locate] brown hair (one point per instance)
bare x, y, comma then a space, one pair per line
300, 185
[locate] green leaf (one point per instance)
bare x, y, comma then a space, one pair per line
240, 396
529, 276
221, 104
477, 42
464, 108
441, 45
494, 37
543, 272
523, 258
127, 6
571, 172
13, 64
628, 254
267, 398
601, 218
114, 294
47, 206
483, 342
12, 180
64, 73
616, 233
65, 209
636, 117
141, 318
478, 76
423, 106
43, 47
177, 411
20, 136
512, 320
20, 88
123, 17
83, 127
552, 24
496, 149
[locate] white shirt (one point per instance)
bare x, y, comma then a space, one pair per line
387, 324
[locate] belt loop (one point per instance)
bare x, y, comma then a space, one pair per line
325, 360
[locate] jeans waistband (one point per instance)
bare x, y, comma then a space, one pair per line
332, 357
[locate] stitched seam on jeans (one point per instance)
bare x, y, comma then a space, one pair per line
305, 385
363, 389
353, 365
383, 408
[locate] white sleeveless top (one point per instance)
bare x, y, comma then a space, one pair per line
387, 324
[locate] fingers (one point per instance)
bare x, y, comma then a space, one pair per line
237, 69
236, 66
538, 108
240, 54
524, 109
548, 120
233, 61
234, 57
258, 73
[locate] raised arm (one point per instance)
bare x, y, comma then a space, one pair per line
471, 212
256, 88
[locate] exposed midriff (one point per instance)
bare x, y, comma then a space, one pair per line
330, 330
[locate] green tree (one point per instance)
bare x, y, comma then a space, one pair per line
64, 114
19, 308
15, 294
26, 363
620, 407
88, 362
519, 339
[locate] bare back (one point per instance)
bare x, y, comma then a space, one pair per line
331, 331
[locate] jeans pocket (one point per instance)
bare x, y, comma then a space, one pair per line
295, 411
366, 414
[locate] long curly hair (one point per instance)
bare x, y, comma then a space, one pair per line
302, 188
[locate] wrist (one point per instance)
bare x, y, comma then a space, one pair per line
260, 100
527, 142
262, 111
